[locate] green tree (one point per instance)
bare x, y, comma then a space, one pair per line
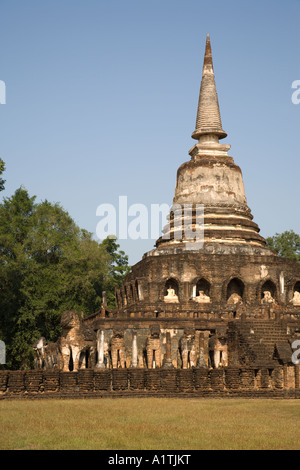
2, 169
48, 265
286, 244
118, 267
15, 216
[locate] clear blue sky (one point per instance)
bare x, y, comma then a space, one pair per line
102, 96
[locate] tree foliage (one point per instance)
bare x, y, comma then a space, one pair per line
2, 168
48, 265
286, 244
118, 267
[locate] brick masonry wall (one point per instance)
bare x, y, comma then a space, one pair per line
231, 381
152, 273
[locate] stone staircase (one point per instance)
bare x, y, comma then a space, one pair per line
258, 340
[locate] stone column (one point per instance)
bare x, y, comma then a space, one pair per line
186, 290
100, 348
216, 358
202, 360
282, 287
168, 357
134, 360
194, 292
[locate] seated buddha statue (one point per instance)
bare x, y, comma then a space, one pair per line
267, 298
171, 295
234, 298
202, 297
296, 298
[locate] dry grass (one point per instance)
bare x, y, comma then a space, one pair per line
150, 424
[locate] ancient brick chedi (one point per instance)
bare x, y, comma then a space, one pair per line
216, 314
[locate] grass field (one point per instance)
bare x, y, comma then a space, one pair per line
149, 424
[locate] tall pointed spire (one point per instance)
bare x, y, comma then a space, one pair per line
210, 180
208, 120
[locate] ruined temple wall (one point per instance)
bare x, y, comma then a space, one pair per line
218, 269
281, 381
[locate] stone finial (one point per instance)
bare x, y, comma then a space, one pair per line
208, 120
